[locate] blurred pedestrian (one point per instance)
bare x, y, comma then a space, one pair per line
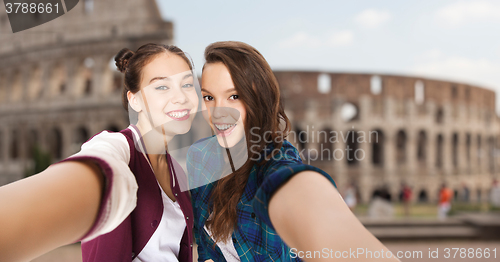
350, 196
495, 194
406, 195
444, 205
465, 193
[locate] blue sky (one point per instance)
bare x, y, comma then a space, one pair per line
443, 39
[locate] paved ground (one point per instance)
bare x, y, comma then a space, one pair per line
452, 233
416, 251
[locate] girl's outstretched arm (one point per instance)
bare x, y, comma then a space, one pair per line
47, 210
309, 215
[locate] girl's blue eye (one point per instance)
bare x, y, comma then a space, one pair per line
187, 85
208, 98
162, 88
234, 97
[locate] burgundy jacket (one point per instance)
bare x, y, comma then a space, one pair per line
126, 241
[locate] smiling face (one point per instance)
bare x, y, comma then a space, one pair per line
226, 112
167, 97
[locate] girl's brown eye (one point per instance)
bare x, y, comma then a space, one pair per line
234, 97
208, 98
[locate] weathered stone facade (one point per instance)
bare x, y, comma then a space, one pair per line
410, 130
57, 83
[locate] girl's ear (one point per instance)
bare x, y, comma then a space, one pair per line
134, 102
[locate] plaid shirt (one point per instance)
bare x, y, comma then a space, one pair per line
255, 238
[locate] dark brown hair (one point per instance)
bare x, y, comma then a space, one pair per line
258, 89
131, 64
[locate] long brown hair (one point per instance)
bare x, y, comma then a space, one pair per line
258, 89
131, 64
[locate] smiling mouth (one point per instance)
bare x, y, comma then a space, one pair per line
179, 114
224, 129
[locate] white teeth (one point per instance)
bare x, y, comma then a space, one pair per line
178, 114
224, 126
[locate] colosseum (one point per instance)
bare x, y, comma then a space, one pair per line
377, 131
58, 88
58, 85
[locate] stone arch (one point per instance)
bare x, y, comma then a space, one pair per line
422, 146
324, 83
376, 85
35, 82
81, 135
16, 90
58, 79
1, 146
401, 146
479, 149
377, 141
439, 150
14, 145
419, 92
491, 154
325, 138
3, 87
88, 86
55, 143
31, 142
439, 115
468, 142
454, 148
352, 146
83, 78
422, 196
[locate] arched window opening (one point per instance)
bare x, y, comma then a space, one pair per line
421, 146
55, 143
325, 138
353, 155
377, 140
455, 150
376, 85
401, 147
439, 116
324, 83
419, 92
439, 151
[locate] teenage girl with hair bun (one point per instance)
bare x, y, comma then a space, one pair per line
118, 195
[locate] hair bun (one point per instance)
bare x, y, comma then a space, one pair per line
122, 59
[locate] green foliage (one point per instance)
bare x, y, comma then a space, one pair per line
41, 159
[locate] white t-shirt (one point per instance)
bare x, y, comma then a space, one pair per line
114, 149
164, 245
227, 248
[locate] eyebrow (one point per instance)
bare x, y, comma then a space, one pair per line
168, 78
227, 91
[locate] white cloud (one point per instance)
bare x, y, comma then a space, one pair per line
431, 54
303, 39
461, 12
372, 18
341, 38
480, 71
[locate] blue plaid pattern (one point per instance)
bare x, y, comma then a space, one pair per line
254, 238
